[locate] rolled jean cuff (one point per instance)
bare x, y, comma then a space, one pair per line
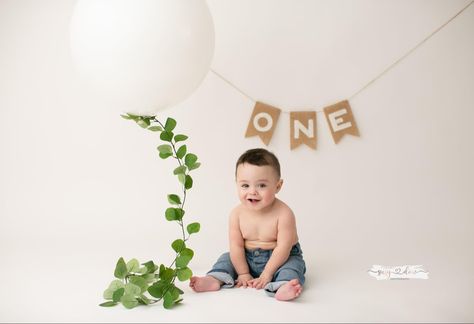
272, 287
224, 277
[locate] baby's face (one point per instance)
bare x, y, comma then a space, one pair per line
257, 186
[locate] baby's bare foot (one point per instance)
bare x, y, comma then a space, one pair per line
207, 283
289, 291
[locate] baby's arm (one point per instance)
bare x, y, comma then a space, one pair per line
286, 238
237, 251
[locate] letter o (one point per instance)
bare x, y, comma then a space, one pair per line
265, 116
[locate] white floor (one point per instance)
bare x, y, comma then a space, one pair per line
44, 286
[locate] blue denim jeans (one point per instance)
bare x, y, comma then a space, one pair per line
293, 268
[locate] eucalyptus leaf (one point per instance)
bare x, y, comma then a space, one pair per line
168, 300
120, 269
184, 274
193, 228
181, 152
165, 155
108, 304
132, 289
178, 245
133, 265
144, 300
180, 138
118, 294
195, 166
180, 170
190, 159
165, 149
182, 178
157, 289
188, 182
144, 123
170, 124
155, 128
166, 136
129, 301
170, 214
139, 282
150, 266
174, 199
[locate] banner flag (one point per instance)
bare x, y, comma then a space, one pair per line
341, 121
303, 129
263, 122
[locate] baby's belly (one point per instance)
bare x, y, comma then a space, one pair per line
256, 244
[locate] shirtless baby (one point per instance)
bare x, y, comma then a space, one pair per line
264, 249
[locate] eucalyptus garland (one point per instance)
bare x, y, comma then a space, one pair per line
147, 283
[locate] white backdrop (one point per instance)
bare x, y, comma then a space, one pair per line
80, 186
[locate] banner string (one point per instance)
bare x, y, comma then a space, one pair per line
391, 66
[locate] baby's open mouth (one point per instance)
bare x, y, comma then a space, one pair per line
253, 200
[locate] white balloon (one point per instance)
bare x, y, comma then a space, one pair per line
142, 55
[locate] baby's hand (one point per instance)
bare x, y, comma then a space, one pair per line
261, 281
243, 280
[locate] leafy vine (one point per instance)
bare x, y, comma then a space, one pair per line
133, 281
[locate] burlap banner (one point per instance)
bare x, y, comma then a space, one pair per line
340, 120
303, 129
263, 121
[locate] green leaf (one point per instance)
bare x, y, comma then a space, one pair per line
144, 123
132, 289
108, 304
167, 274
174, 292
178, 245
142, 270
143, 300
166, 136
188, 182
180, 138
114, 285
133, 265
182, 178
165, 148
170, 124
181, 152
179, 214
184, 274
120, 269
170, 214
157, 289
139, 282
193, 228
190, 159
165, 151
182, 261
126, 116
195, 166
150, 266
149, 278
180, 170
155, 128
129, 301
168, 300
174, 199
185, 256
118, 294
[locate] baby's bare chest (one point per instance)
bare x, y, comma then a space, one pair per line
259, 228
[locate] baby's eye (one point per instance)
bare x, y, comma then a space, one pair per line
262, 185
245, 186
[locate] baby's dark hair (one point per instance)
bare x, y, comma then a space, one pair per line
259, 157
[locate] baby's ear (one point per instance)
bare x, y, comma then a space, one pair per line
279, 184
